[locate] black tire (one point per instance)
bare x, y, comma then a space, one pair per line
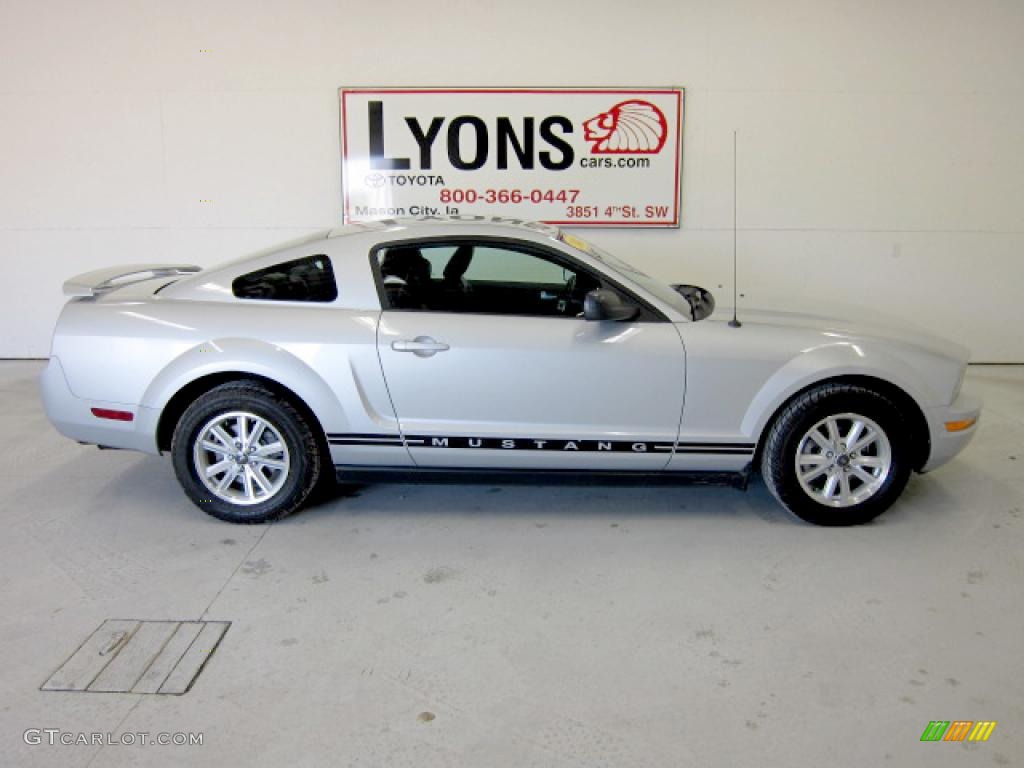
305, 458
778, 459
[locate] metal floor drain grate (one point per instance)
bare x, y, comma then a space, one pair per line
129, 656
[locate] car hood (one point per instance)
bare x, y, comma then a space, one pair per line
852, 323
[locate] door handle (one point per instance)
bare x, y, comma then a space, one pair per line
421, 346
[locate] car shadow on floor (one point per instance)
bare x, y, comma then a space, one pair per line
926, 500
149, 482
569, 499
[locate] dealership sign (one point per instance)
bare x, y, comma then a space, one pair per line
580, 157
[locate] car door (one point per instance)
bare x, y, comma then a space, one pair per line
489, 362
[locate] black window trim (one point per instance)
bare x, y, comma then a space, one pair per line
649, 313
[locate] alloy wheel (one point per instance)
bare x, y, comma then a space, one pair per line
241, 458
843, 460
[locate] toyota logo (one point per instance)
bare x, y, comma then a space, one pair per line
375, 180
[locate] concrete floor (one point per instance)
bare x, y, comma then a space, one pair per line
540, 626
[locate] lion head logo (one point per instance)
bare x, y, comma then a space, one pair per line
631, 127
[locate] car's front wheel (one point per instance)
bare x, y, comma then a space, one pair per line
839, 454
244, 454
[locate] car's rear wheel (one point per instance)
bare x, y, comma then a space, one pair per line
244, 454
839, 454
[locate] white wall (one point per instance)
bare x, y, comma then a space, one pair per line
880, 141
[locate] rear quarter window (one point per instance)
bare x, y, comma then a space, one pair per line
307, 279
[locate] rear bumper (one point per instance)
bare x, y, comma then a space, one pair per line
72, 416
945, 444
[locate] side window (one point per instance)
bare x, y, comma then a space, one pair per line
481, 278
307, 279
502, 266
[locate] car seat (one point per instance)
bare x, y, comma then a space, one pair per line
411, 289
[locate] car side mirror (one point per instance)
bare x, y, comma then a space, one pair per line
606, 304
701, 302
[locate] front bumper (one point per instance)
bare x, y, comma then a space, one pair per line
945, 444
72, 416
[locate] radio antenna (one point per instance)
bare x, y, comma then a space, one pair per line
735, 322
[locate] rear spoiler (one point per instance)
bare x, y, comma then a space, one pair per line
102, 280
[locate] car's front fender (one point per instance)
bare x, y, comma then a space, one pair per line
918, 374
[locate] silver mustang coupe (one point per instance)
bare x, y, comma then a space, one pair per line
444, 349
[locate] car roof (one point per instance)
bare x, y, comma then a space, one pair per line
424, 225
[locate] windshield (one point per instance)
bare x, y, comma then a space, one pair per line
655, 287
